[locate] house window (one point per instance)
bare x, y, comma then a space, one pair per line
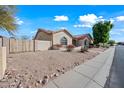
63, 41
85, 42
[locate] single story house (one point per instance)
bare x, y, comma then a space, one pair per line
84, 39
63, 37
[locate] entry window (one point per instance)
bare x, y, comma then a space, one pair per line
63, 41
85, 42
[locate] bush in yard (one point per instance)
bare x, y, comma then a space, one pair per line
96, 45
91, 46
111, 42
105, 45
84, 48
56, 46
70, 47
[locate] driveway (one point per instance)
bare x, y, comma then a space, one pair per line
116, 77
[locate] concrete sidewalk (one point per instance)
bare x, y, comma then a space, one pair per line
91, 74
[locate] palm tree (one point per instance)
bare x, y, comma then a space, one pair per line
7, 19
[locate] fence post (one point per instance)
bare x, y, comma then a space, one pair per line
9, 45
34, 44
2, 61
2, 41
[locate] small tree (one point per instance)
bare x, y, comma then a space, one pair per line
111, 42
101, 32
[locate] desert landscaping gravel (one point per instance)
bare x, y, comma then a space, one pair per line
35, 69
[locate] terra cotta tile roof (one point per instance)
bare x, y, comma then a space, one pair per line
50, 32
79, 37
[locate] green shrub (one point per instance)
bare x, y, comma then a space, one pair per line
111, 42
69, 47
84, 48
56, 47
106, 46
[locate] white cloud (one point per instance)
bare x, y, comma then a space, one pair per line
61, 18
63, 28
100, 17
120, 18
115, 33
117, 19
76, 26
32, 32
121, 30
82, 25
88, 20
112, 20
18, 21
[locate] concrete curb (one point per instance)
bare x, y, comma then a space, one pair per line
103, 73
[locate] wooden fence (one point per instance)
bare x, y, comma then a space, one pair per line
16, 46
21, 45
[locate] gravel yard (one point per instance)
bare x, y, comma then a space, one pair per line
34, 69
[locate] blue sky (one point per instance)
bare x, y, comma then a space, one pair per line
76, 19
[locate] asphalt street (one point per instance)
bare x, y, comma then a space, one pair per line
116, 76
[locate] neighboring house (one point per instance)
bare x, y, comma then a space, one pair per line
82, 40
62, 37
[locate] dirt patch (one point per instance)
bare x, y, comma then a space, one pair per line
34, 69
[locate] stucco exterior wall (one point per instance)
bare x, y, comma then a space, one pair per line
5, 42
81, 42
43, 36
0, 42
42, 45
57, 37
2, 61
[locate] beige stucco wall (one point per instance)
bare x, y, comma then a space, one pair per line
43, 36
81, 42
42, 45
2, 61
6, 44
0, 42
57, 37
